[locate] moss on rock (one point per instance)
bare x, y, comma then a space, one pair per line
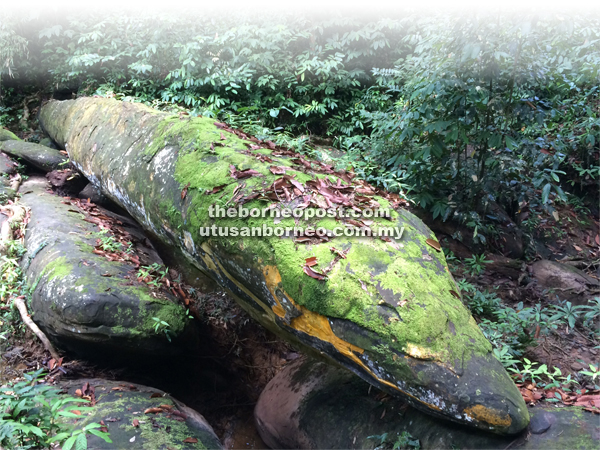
6, 135
119, 404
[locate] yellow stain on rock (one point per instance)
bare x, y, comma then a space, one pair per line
273, 280
487, 415
309, 322
317, 325
421, 352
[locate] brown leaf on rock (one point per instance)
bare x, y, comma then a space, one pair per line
312, 261
190, 440
340, 253
152, 410
311, 273
135, 423
278, 170
155, 395
179, 414
455, 294
297, 184
240, 174
185, 191
435, 244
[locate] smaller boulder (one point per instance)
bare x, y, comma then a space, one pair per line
92, 193
139, 417
567, 281
6, 135
313, 405
86, 302
47, 142
39, 156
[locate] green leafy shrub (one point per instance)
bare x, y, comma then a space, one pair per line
31, 412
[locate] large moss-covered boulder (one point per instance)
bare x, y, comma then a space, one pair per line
82, 300
387, 309
139, 417
312, 405
39, 156
6, 135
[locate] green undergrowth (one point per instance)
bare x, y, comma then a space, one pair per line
33, 416
512, 330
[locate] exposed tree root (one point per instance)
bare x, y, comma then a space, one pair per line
20, 304
15, 182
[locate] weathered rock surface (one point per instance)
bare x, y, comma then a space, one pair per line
40, 156
6, 135
118, 404
568, 282
312, 405
388, 311
83, 301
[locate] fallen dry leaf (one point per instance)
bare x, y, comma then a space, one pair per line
277, 170
136, 423
152, 410
216, 189
190, 440
435, 244
184, 191
312, 261
311, 273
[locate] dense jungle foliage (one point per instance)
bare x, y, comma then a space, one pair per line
455, 111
